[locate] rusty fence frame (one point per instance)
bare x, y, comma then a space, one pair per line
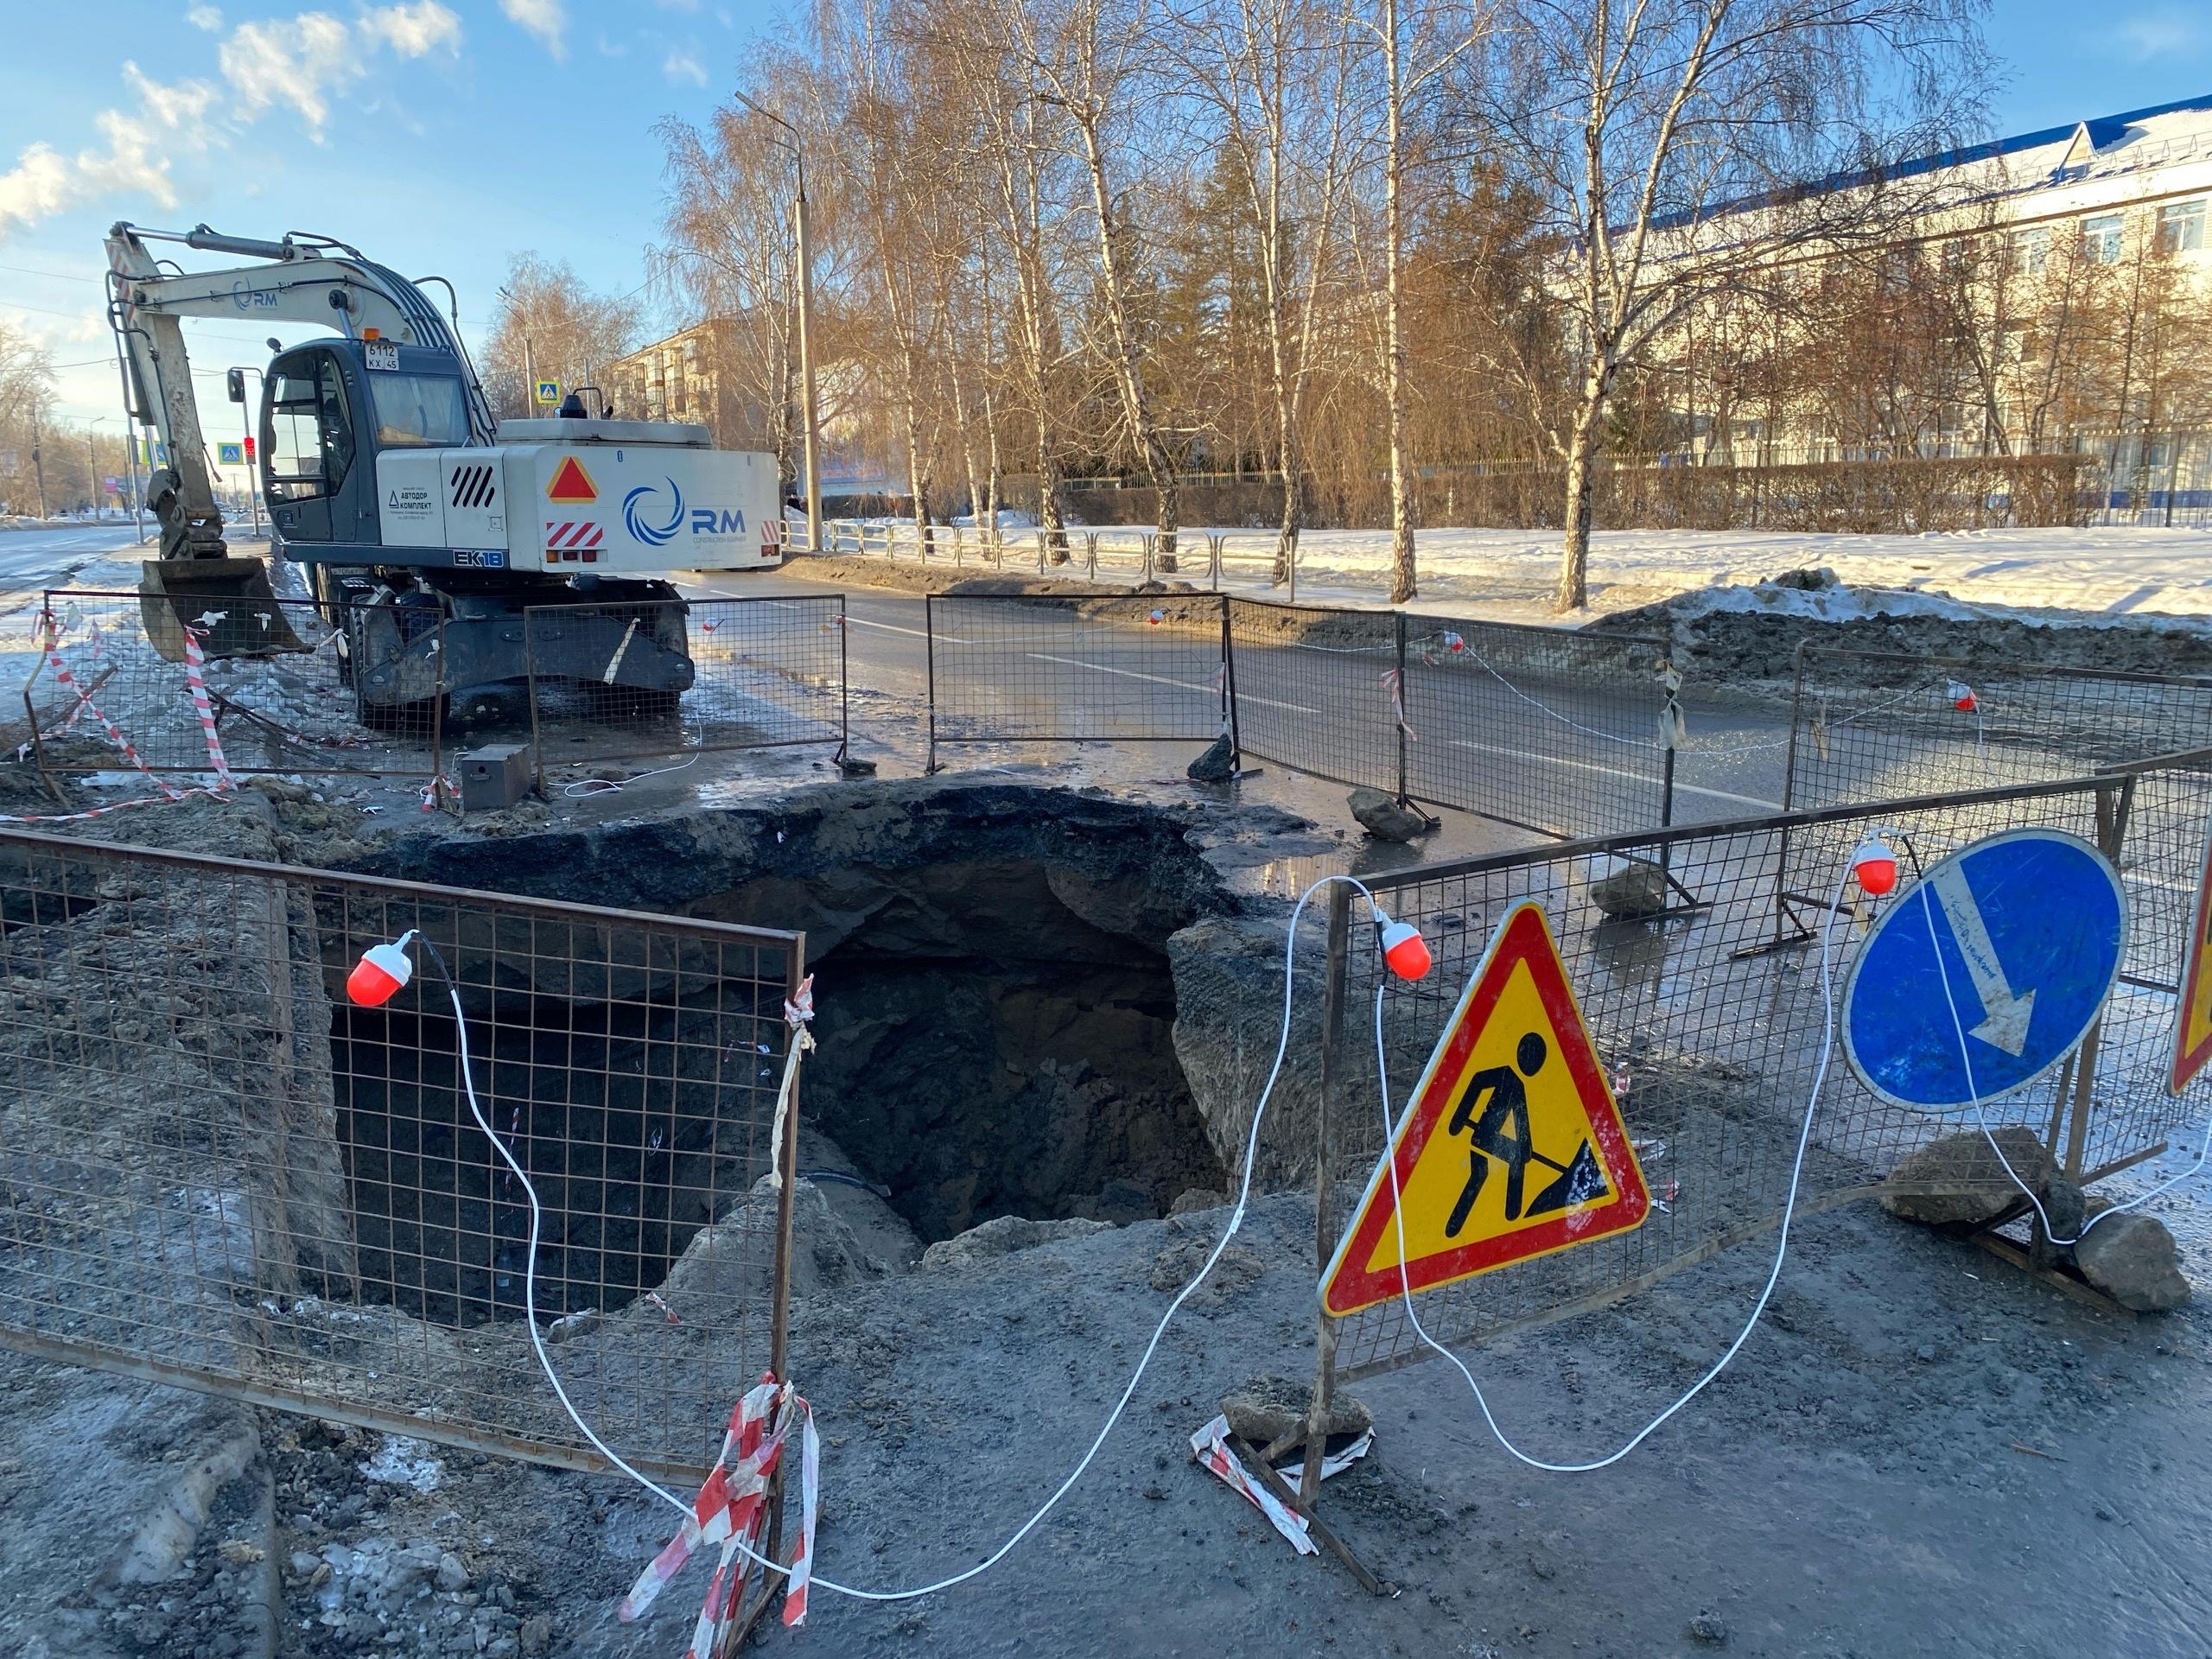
777, 678
117, 676
216, 1173
1708, 1027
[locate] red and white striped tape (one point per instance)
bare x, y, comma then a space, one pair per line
51, 637
1211, 1446
1394, 683
731, 1511
195, 677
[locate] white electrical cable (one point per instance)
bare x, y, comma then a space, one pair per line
1236, 1222
587, 788
536, 1214
1966, 1059
1782, 1245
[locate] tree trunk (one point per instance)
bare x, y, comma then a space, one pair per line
1128, 369
1581, 445
1402, 587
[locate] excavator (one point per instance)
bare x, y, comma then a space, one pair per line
423, 523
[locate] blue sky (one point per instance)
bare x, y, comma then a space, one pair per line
444, 134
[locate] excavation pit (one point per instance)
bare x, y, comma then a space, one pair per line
995, 1016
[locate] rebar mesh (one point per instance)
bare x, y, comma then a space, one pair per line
611, 682
293, 713
219, 1174
1075, 668
1711, 1023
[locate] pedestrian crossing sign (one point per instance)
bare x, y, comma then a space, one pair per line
1512, 1147
230, 454
549, 391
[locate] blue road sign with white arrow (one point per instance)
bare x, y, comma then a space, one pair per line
1986, 973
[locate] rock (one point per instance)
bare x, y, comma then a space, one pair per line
2066, 1207
238, 1551
1384, 818
1002, 1238
1958, 1180
1710, 1630
537, 1633
452, 1575
2133, 1260
1174, 1267
1262, 1408
1192, 1199
1216, 766
1627, 887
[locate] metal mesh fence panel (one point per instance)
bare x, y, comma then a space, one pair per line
217, 1172
1075, 668
1712, 1025
636, 681
1870, 726
1543, 728
1315, 690
101, 698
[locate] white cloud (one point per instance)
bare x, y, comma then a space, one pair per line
207, 17
544, 18
681, 65
41, 182
297, 63
294, 62
2162, 33
413, 30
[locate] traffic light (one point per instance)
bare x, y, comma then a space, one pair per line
249, 449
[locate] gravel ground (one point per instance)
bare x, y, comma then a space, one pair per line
1920, 1452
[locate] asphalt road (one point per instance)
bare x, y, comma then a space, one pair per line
34, 560
1551, 748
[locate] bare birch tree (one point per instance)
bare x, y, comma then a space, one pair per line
1671, 139
1087, 58
1276, 74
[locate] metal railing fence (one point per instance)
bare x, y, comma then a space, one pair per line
219, 1174
101, 698
607, 682
1711, 1025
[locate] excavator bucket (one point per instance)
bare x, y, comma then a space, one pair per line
228, 600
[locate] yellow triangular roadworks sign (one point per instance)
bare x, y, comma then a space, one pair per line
1512, 1147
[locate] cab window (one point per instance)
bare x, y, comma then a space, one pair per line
309, 437
422, 409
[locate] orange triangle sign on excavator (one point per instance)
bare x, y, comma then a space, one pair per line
571, 483
1513, 1146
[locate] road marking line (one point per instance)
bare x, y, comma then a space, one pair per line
1680, 788
1161, 679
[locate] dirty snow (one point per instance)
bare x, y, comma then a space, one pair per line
399, 1461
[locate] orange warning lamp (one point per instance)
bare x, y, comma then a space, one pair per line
382, 970
1962, 695
1403, 948
1158, 617
1453, 642
1875, 866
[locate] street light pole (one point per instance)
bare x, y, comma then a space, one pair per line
809, 417
245, 430
93, 465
